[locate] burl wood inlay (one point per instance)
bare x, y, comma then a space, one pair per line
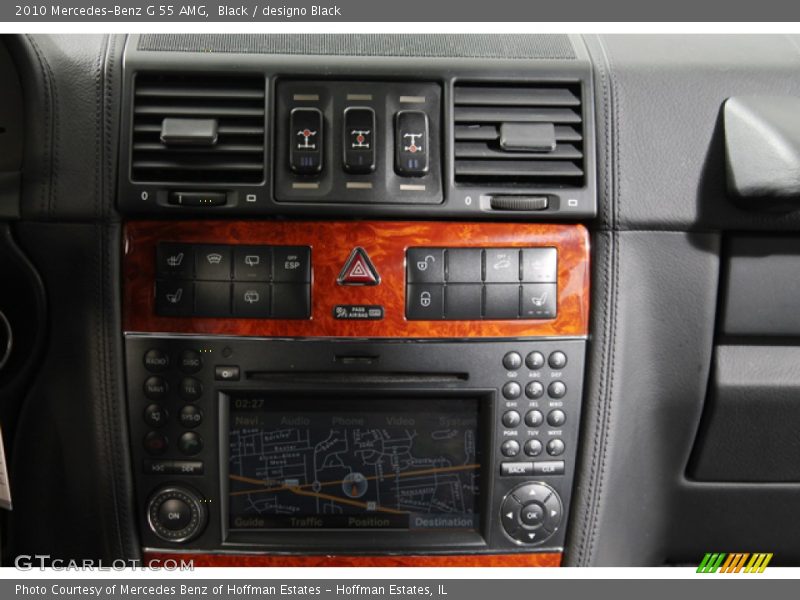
257, 560
331, 243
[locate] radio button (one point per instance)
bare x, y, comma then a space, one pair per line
156, 360
516, 468
226, 373
425, 265
532, 515
555, 447
548, 467
557, 389
191, 389
557, 360
190, 361
510, 448
534, 361
155, 415
155, 388
511, 419
174, 514
534, 418
190, 443
512, 361
190, 416
509, 513
512, 390
556, 418
553, 512
155, 443
173, 467
533, 448
536, 525
534, 390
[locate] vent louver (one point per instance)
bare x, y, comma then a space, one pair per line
236, 103
481, 113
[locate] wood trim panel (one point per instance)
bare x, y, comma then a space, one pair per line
331, 242
258, 560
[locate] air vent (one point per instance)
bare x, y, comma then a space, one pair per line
527, 135
232, 106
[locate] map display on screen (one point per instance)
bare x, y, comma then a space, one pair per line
353, 463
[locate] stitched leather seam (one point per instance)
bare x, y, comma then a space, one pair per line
608, 392
48, 124
98, 126
120, 458
590, 500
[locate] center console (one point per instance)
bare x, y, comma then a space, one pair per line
400, 376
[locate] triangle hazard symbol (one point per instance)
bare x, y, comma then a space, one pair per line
358, 270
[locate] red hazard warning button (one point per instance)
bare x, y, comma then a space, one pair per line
358, 270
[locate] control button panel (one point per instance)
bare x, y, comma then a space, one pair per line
525, 435
531, 513
375, 143
482, 283
224, 281
535, 405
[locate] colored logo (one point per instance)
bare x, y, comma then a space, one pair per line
739, 562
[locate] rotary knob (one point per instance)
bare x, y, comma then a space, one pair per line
531, 513
176, 514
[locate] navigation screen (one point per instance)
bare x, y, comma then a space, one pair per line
326, 463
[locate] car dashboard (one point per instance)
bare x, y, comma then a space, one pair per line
491, 300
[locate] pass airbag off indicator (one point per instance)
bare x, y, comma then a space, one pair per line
358, 270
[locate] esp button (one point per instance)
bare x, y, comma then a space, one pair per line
291, 264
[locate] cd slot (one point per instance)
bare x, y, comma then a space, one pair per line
355, 377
